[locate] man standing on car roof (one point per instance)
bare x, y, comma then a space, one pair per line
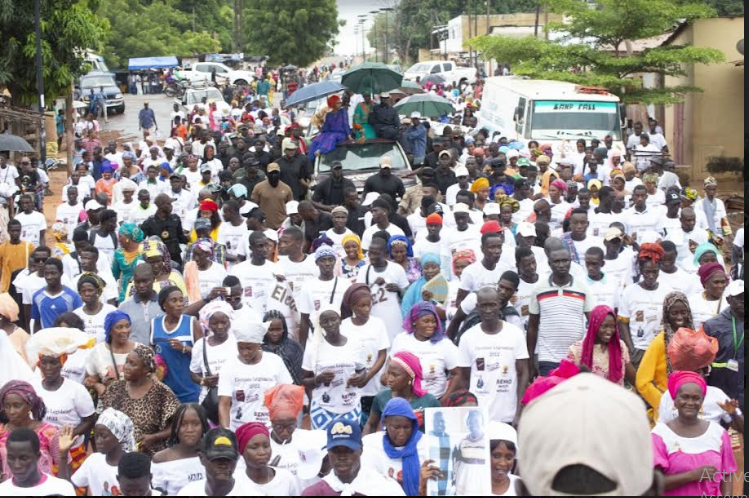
416, 135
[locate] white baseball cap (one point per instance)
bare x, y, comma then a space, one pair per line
311, 449
386, 162
416, 115
292, 207
526, 229
735, 288
461, 171
370, 198
93, 205
461, 208
621, 449
491, 208
385, 95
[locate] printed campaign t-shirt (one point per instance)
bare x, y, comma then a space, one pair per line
233, 237
316, 294
385, 304
67, 406
262, 290
373, 337
98, 476
476, 276
246, 386
344, 360
436, 360
298, 273
31, 225
217, 357
644, 310
494, 377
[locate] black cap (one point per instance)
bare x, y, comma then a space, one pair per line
336, 165
673, 198
657, 160
220, 443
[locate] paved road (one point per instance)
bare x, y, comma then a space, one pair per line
127, 124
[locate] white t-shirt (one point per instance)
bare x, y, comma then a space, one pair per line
232, 237
94, 324
523, 301
283, 483
8, 175
645, 224
70, 404
658, 199
49, 486
316, 294
476, 276
69, 216
374, 457
558, 212
344, 360
246, 386
680, 281
738, 241
492, 359
263, 292
99, 362
373, 337
75, 368
703, 310
436, 359
125, 212
386, 304
212, 277
182, 202
458, 241
621, 267
197, 488
140, 214
606, 291
245, 315
31, 225
175, 475
98, 476
644, 309
298, 273
217, 357
338, 241
31, 283
369, 232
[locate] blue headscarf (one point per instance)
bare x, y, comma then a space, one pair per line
413, 294
399, 407
401, 238
109, 322
420, 310
702, 249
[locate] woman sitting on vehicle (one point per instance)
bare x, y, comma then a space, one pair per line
335, 130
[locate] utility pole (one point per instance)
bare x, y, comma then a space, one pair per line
374, 27
237, 26
40, 81
387, 44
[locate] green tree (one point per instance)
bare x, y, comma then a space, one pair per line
153, 29
290, 31
593, 47
69, 27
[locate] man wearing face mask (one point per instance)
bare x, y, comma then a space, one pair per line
272, 195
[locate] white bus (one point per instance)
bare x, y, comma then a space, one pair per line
553, 112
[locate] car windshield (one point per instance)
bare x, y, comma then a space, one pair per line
420, 68
363, 157
97, 81
575, 119
196, 96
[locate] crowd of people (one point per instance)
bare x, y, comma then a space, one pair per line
202, 318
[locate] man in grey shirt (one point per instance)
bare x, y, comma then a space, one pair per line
143, 306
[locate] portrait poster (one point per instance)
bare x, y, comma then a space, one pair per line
459, 446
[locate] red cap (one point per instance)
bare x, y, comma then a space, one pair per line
491, 226
434, 219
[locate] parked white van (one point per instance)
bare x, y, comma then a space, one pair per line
553, 112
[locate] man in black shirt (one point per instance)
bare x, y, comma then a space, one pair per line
444, 175
296, 170
356, 212
385, 182
166, 225
329, 192
259, 152
253, 175
432, 159
315, 222
384, 119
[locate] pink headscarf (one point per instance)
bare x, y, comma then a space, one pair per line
708, 270
247, 432
542, 385
597, 316
561, 185
678, 379
412, 366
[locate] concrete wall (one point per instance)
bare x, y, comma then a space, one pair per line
713, 121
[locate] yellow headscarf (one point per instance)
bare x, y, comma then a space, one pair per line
506, 200
352, 237
479, 184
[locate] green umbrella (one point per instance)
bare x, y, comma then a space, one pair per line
371, 78
428, 104
410, 87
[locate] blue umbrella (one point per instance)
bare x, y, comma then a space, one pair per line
312, 92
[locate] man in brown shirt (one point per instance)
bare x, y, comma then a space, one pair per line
272, 195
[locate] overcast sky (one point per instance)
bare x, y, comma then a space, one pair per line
348, 42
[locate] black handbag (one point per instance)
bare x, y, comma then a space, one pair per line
210, 402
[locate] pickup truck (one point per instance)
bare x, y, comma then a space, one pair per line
446, 69
201, 71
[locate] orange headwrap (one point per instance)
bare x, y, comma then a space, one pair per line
284, 400
652, 252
